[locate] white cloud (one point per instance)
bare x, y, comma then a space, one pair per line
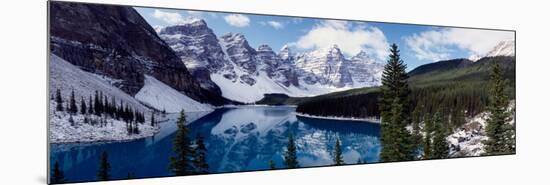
351, 39
275, 24
237, 20
195, 13
171, 18
436, 45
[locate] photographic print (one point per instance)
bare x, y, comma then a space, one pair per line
143, 92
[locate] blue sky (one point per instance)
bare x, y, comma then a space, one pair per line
418, 44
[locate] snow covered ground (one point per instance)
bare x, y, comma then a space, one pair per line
370, 120
63, 131
467, 140
163, 97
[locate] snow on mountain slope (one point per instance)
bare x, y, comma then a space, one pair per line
67, 77
162, 97
503, 48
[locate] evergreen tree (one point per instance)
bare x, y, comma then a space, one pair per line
272, 165
72, 104
291, 159
153, 119
201, 166
71, 120
57, 176
90, 105
338, 158
440, 145
416, 131
104, 167
58, 100
83, 108
397, 144
499, 132
181, 163
428, 129
97, 104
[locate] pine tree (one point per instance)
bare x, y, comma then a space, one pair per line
57, 174
83, 108
72, 104
104, 167
153, 119
440, 145
201, 165
428, 129
416, 131
499, 132
338, 158
97, 104
180, 164
291, 158
397, 144
272, 165
90, 105
58, 100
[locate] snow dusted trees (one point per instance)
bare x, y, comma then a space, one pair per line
338, 158
153, 119
103, 173
394, 110
57, 175
98, 110
291, 158
83, 108
58, 100
72, 104
501, 134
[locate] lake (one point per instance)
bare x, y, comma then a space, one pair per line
244, 138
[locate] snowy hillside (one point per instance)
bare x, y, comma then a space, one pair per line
162, 97
67, 77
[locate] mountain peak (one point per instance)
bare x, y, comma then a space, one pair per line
264, 48
503, 48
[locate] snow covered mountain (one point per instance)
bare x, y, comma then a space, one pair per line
245, 74
115, 41
503, 48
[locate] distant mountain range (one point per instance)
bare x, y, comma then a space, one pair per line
245, 74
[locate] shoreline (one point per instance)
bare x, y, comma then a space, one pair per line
337, 118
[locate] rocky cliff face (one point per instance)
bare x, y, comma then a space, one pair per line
117, 42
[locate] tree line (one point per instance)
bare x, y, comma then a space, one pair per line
102, 107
